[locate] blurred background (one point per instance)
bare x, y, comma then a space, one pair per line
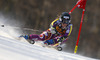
38, 14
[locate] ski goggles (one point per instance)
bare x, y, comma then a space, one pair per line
66, 21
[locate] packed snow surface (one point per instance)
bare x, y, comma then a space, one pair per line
14, 49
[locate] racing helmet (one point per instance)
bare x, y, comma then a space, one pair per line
65, 18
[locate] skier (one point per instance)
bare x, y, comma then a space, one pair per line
60, 29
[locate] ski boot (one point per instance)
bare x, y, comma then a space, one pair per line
27, 39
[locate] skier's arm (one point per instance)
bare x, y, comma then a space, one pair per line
53, 25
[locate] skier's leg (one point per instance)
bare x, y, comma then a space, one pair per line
34, 37
31, 37
44, 36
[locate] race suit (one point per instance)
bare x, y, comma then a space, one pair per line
55, 32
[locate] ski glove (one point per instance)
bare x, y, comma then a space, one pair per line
61, 39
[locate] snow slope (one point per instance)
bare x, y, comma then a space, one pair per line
12, 49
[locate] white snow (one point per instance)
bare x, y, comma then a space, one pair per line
13, 49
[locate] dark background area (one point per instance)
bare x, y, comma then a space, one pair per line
38, 14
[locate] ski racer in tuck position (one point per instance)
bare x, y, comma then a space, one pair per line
59, 31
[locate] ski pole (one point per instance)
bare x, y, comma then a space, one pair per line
76, 47
75, 7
